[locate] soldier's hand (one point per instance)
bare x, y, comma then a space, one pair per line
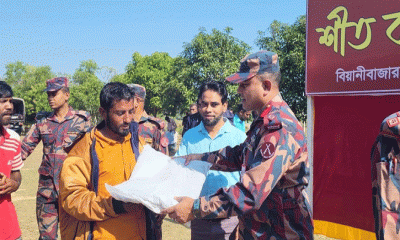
182, 212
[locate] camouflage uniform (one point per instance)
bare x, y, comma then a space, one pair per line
56, 136
152, 130
385, 159
270, 200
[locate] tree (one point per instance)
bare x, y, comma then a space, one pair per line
288, 41
212, 56
105, 74
85, 89
14, 73
87, 69
154, 73
28, 82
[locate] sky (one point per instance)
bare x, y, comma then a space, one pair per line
61, 34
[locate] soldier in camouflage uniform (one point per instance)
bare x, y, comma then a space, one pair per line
58, 130
270, 198
152, 130
385, 159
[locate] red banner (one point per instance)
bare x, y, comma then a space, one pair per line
345, 130
353, 47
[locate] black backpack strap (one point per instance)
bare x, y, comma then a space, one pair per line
134, 130
95, 167
94, 176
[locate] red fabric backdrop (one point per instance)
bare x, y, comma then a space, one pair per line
345, 129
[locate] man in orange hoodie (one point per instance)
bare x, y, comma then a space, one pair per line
106, 155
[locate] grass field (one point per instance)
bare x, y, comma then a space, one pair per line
25, 198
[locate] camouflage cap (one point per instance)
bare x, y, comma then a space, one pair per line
55, 84
138, 90
255, 63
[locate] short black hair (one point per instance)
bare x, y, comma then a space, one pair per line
114, 91
218, 87
239, 108
5, 90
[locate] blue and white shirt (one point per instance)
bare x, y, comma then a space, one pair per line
197, 140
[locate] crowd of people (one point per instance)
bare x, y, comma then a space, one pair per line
254, 190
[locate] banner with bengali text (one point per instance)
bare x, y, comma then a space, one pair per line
353, 47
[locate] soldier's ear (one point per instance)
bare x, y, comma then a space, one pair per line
267, 86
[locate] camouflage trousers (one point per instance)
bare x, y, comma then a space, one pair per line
47, 208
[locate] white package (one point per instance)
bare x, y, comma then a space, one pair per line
157, 179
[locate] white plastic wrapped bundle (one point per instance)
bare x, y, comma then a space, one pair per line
157, 179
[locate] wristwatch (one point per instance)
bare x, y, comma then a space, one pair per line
196, 208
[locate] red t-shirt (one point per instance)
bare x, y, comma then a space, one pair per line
10, 160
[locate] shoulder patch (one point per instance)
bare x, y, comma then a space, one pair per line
267, 150
84, 114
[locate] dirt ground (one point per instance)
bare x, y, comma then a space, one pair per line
25, 198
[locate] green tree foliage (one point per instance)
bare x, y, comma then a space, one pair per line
14, 73
154, 73
288, 41
212, 56
86, 70
85, 89
28, 82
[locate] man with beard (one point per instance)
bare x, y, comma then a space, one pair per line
105, 155
214, 132
10, 165
270, 198
57, 130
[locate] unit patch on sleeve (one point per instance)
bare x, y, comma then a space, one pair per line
267, 150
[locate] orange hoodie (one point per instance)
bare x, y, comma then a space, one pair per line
79, 204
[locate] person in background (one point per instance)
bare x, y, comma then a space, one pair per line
10, 166
57, 130
214, 132
240, 118
191, 120
270, 198
170, 134
228, 114
385, 168
151, 129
